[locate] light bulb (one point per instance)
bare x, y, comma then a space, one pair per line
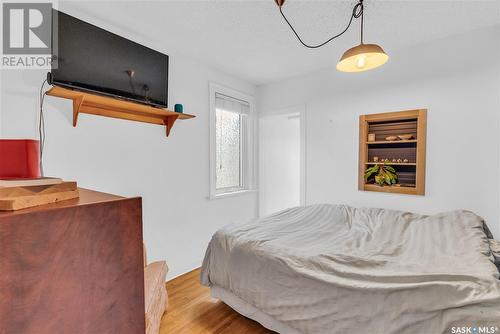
361, 61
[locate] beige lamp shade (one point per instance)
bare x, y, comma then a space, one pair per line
361, 58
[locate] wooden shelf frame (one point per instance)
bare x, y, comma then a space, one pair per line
87, 103
418, 115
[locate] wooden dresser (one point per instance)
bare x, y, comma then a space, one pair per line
73, 267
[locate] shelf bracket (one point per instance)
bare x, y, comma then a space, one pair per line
169, 123
77, 104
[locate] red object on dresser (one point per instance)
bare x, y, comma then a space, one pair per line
19, 159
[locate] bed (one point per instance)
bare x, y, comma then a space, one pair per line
338, 269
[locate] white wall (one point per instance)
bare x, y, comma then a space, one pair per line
461, 93
279, 163
135, 159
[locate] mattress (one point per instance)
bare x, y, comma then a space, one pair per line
338, 269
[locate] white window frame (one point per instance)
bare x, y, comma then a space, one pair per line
248, 154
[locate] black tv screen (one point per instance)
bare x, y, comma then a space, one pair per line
88, 58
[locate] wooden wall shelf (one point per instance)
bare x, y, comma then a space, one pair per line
392, 163
411, 175
394, 142
392, 189
94, 104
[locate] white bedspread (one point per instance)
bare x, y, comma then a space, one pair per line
338, 269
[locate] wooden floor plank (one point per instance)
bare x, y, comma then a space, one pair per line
191, 310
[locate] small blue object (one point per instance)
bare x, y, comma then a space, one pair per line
179, 108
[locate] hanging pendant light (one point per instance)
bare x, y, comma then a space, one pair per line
360, 58
363, 57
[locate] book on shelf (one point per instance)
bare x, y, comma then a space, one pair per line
42, 181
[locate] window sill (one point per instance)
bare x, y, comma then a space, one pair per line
233, 193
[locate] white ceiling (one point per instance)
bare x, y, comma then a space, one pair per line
250, 40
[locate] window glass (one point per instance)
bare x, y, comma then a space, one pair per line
228, 149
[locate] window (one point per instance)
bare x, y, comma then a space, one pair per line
231, 142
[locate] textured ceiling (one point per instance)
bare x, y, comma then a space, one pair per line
249, 39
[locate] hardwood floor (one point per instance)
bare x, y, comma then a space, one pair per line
191, 310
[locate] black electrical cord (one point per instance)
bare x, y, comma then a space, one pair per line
357, 12
41, 125
131, 83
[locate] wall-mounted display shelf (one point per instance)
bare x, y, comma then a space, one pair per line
376, 148
393, 142
94, 104
393, 163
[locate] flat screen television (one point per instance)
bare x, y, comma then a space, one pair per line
88, 58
